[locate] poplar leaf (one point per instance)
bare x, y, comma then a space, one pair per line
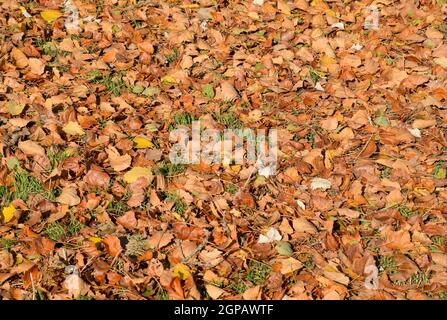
50, 15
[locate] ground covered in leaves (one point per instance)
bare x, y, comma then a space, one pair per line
92, 208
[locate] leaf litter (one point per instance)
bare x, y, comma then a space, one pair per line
89, 92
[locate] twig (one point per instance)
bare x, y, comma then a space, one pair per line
199, 247
363, 149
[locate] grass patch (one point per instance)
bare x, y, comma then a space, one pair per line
309, 263
169, 169
231, 188
314, 75
229, 119
25, 184
438, 243
162, 295
55, 231
58, 157
237, 286
172, 57
6, 243
419, 279
179, 205
385, 173
118, 208
310, 138
183, 119
440, 169
114, 82
406, 212
438, 240
387, 264
74, 227
49, 48
6, 196
258, 272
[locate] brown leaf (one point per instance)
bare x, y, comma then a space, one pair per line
160, 239
69, 196
117, 161
37, 66
128, 220
97, 178
113, 245
31, 148
19, 57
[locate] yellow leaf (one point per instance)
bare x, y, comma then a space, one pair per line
138, 172
73, 128
8, 213
181, 271
15, 108
331, 13
95, 240
50, 15
168, 80
141, 143
236, 168
327, 60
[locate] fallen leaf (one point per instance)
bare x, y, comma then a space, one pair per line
69, 196
73, 128
37, 66
290, 265
128, 220
14, 107
50, 15
213, 291
272, 235
284, 248
113, 245
19, 57
181, 271
31, 148
133, 174
228, 92
8, 213
252, 293
118, 162
320, 183
141, 143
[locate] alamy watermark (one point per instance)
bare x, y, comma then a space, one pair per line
372, 18
230, 146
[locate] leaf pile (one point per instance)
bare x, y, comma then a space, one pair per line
92, 208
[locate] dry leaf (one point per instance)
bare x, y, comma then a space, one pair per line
31, 148
19, 57
73, 128
37, 66
138, 172
118, 162
69, 196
